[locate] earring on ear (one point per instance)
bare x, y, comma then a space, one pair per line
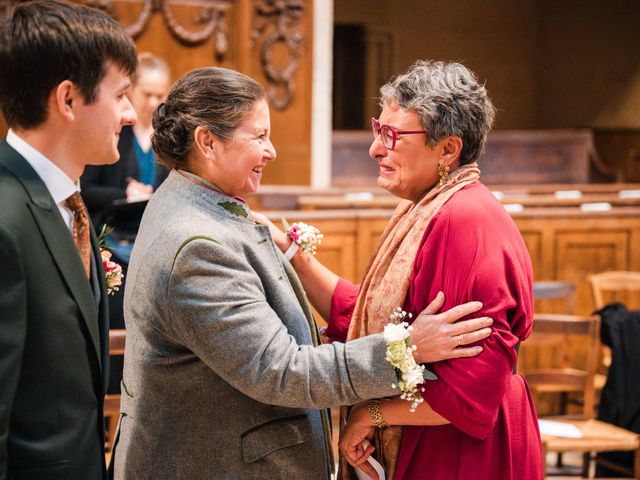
443, 171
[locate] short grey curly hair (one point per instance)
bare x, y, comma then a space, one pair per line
449, 101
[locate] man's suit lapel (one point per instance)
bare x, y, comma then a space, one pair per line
58, 239
103, 311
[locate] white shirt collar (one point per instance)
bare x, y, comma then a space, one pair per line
58, 183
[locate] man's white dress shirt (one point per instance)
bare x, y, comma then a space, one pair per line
58, 183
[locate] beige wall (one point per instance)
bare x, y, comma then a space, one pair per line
591, 64
547, 63
495, 39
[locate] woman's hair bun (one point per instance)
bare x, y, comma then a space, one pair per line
170, 139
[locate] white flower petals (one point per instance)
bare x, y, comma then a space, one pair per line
400, 355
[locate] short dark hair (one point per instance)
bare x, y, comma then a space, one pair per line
215, 98
43, 43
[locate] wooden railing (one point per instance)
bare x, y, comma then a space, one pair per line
584, 195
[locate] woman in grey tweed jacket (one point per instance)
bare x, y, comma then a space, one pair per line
222, 375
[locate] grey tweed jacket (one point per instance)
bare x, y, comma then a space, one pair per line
221, 380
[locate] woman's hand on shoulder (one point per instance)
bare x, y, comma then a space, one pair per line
279, 237
440, 336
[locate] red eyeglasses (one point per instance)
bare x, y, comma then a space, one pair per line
390, 134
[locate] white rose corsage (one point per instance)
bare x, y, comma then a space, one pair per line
302, 236
411, 376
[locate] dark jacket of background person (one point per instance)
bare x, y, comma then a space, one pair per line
102, 185
620, 400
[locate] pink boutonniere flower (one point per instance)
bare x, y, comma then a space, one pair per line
112, 270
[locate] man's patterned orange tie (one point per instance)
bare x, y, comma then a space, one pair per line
80, 228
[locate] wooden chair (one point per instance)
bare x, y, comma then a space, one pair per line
607, 287
556, 290
550, 296
622, 286
613, 286
554, 332
117, 338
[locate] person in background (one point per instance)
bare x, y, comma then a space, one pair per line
64, 73
150, 86
223, 376
137, 174
476, 419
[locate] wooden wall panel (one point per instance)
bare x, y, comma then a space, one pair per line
338, 247
369, 233
533, 240
588, 252
291, 125
565, 244
576, 244
521, 50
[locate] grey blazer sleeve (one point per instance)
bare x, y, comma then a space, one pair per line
219, 310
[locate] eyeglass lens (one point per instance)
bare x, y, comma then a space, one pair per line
388, 133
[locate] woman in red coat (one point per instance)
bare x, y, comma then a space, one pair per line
477, 419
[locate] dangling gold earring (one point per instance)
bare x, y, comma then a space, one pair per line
443, 171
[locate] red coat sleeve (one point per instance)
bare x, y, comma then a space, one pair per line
343, 301
472, 250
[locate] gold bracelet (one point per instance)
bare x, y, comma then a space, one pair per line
376, 415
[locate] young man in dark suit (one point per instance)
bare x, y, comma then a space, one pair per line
64, 73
